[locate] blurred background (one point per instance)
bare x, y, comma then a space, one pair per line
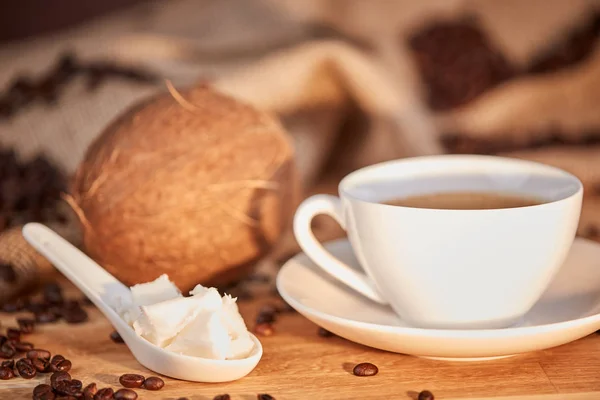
354, 82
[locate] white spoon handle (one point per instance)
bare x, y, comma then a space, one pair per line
97, 284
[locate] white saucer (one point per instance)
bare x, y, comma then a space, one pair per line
569, 310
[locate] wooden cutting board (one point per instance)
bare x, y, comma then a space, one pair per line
299, 364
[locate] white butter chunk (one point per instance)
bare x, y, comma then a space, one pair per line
161, 322
144, 294
202, 325
158, 290
204, 337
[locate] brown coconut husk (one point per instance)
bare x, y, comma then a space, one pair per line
195, 184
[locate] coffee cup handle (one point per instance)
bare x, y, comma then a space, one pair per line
332, 206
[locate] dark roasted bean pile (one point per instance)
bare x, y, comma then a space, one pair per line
24, 91
29, 192
51, 307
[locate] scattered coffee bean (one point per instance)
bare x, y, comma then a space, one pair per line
104, 394
41, 389
222, 397
183, 398
26, 325
13, 334
26, 369
67, 388
324, 332
132, 380
74, 315
125, 394
64, 365
57, 358
154, 383
9, 364
38, 353
17, 306
425, 395
40, 365
264, 329
77, 383
3, 339
365, 369
46, 317
89, 391
6, 373
23, 347
7, 350
115, 337
265, 396
53, 294
265, 318
58, 377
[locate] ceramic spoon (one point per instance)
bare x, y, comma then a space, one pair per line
102, 288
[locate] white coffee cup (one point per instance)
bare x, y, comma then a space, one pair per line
448, 268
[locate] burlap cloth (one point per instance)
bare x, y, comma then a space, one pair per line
342, 76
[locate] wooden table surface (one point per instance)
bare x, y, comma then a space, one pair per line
299, 364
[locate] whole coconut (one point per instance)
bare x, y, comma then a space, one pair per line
194, 184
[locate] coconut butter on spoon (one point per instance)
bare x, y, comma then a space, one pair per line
201, 325
198, 338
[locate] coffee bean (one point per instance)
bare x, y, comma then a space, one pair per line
13, 334
3, 339
115, 337
268, 309
57, 358
38, 353
324, 332
52, 366
46, 317
64, 365
68, 388
365, 369
265, 318
184, 398
26, 369
264, 329
53, 294
104, 394
125, 394
89, 391
132, 380
7, 350
58, 377
265, 396
75, 315
41, 389
62, 397
425, 395
6, 373
222, 397
14, 307
9, 364
40, 365
23, 347
154, 383
77, 383
26, 325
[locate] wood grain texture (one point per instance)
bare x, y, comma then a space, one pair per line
299, 364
